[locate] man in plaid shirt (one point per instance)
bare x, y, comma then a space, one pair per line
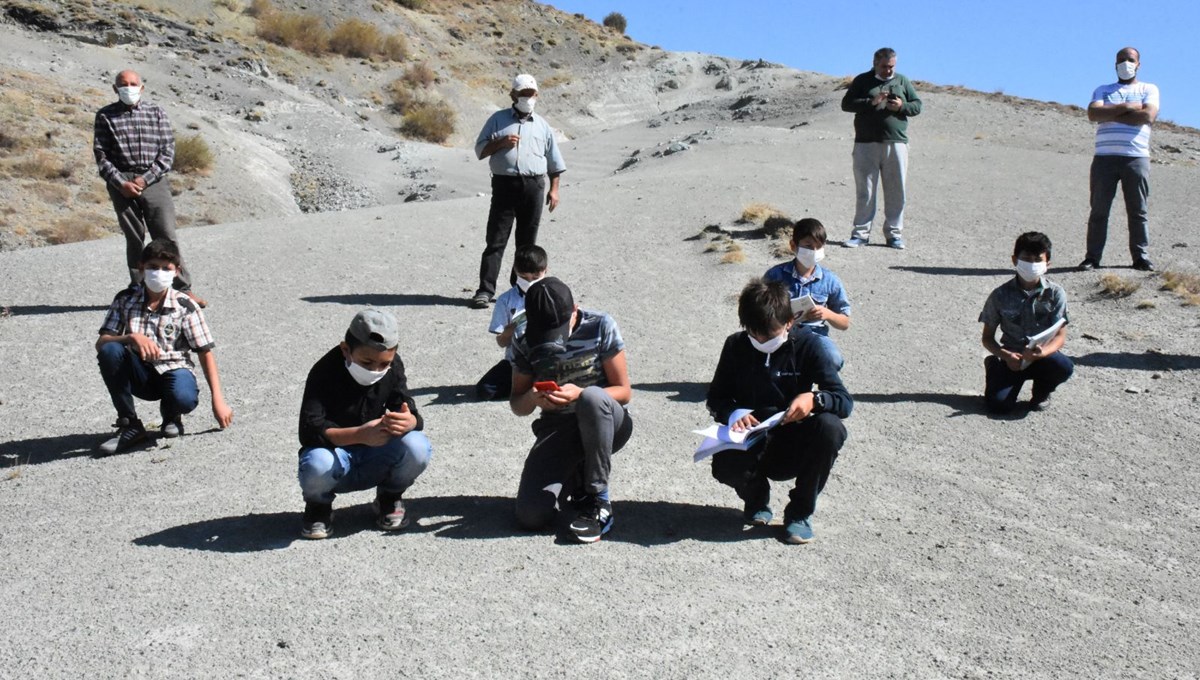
144, 346
135, 148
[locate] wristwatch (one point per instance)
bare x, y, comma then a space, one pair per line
821, 402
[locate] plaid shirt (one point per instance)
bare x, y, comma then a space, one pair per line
177, 326
134, 139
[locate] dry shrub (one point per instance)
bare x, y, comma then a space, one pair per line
258, 8
1186, 286
410, 89
304, 32
43, 165
97, 195
355, 38
71, 229
616, 21
733, 254
759, 212
231, 5
1112, 285
192, 155
844, 83
1146, 304
416, 5
11, 143
419, 75
429, 120
50, 192
394, 48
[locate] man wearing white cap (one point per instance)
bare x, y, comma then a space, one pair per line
524, 159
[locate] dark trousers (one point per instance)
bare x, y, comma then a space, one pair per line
496, 383
572, 456
126, 376
513, 198
152, 212
1133, 174
1002, 384
804, 451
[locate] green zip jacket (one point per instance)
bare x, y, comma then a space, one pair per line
880, 125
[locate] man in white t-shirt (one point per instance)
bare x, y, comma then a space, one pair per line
1125, 111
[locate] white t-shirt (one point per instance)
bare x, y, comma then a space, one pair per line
1119, 139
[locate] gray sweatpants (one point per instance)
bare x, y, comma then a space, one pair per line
154, 212
572, 455
1134, 175
875, 161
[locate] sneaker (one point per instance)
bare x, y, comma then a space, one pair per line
1143, 265
799, 531
318, 521
854, 242
389, 512
897, 243
757, 511
1088, 265
1039, 403
758, 517
172, 428
128, 435
480, 301
595, 519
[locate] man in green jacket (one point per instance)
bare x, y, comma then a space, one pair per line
882, 102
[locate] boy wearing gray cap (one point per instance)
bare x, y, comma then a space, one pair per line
359, 428
570, 363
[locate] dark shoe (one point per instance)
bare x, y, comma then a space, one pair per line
798, 531
129, 434
757, 511
480, 301
1143, 265
595, 519
1039, 403
896, 243
172, 428
318, 521
389, 512
1088, 265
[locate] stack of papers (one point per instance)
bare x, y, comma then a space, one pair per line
723, 437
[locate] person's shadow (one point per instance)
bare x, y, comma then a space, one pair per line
30, 310
688, 392
446, 394
645, 523
960, 404
390, 300
1146, 361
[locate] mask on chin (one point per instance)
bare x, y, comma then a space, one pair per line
768, 348
524, 284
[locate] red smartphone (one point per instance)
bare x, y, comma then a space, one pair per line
545, 386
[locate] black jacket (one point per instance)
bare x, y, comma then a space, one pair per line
333, 399
743, 381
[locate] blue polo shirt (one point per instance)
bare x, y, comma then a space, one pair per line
536, 154
824, 286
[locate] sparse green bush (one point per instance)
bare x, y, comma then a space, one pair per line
304, 32
615, 21
429, 120
356, 38
192, 155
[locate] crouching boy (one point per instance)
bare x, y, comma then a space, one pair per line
570, 363
144, 351
359, 428
508, 321
770, 368
1024, 308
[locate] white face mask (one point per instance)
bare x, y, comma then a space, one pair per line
769, 347
1126, 70
157, 280
130, 95
524, 284
526, 104
807, 258
1031, 271
364, 376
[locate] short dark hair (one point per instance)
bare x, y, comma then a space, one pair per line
806, 227
161, 249
1032, 242
884, 53
764, 306
530, 260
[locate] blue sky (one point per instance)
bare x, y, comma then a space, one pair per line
1055, 50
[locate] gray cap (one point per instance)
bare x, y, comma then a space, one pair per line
376, 329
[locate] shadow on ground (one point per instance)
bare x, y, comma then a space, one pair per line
446, 394
688, 392
953, 271
62, 447
962, 404
645, 523
1147, 361
30, 310
390, 300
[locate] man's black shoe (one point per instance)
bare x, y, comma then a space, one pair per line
129, 433
1143, 265
1088, 264
594, 520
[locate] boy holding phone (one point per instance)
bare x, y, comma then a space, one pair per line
811, 286
508, 320
570, 364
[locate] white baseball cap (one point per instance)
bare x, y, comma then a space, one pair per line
524, 82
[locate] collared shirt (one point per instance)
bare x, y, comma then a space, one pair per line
509, 306
333, 399
536, 154
177, 326
578, 361
824, 286
133, 139
1119, 139
1019, 314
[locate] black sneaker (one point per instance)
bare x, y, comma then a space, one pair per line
594, 520
1088, 265
318, 521
129, 434
172, 428
389, 512
1039, 403
480, 301
1143, 265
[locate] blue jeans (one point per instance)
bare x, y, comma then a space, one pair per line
1002, 384
393, 467
127, 376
